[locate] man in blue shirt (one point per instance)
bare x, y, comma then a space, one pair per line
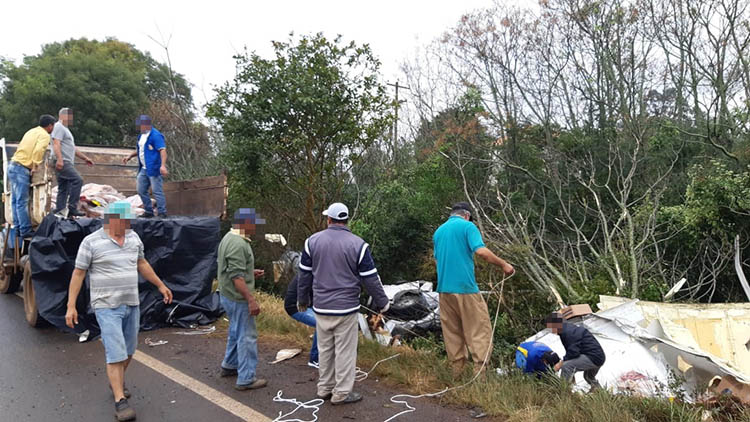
464, 316
152, 166
535, 357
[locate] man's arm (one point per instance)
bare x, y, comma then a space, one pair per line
57, 149
76, 281
371, 280
241, 286
130, 156
84, 157
37, 154
304, 288
163, 169
493, 259
145, 269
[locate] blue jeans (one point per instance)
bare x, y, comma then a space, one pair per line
156, 183
20, 181
242, 341
308, 318
119, 331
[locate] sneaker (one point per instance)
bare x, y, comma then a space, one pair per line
313, 364
163, 216
146, 215
351, 398
226, 372
324, 397
123, 411
75, 213
258, 383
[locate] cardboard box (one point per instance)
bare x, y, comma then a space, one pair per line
575, 311
729, 385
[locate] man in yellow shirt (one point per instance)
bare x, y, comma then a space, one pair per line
28, 156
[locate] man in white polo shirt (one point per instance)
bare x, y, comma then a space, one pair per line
113, 257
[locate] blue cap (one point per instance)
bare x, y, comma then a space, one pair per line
244, 214
122, 209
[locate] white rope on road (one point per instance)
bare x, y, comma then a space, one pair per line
311, 404
316, 403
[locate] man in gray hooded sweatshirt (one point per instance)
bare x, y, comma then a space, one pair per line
333, 265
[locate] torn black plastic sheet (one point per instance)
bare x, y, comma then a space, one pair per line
181, 250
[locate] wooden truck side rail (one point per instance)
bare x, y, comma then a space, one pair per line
199, 197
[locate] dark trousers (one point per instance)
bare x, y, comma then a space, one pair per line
69, 184
581, 364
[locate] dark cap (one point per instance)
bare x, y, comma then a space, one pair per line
463, 206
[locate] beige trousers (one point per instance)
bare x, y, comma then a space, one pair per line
466, 324
337, 350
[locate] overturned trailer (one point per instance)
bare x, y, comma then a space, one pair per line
181, 249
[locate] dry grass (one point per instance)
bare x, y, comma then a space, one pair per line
514, 397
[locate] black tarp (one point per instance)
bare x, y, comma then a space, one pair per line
181, 250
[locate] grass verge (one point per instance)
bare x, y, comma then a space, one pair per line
512, 397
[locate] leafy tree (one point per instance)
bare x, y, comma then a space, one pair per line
296, 125
107, 83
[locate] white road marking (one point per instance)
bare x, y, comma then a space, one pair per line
214, 396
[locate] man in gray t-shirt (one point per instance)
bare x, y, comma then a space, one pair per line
64, 151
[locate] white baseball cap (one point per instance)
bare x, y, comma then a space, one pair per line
337, 211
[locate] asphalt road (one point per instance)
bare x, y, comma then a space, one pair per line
46, 375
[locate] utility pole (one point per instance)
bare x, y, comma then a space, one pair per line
396, 107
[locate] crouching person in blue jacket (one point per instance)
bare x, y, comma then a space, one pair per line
334, 265
535, 358
583, 353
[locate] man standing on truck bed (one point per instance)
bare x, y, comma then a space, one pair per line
236, 275
27, 157
152, 166
113, 257
64, 150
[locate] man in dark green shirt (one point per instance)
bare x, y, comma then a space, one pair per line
236, 274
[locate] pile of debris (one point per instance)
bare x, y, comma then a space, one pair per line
95, 198
414, 312
666, 350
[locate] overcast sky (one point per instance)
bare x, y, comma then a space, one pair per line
205, 35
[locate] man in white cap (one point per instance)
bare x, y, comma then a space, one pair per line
334, 264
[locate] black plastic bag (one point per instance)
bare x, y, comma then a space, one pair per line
181, 250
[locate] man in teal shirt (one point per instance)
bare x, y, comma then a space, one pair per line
464, 316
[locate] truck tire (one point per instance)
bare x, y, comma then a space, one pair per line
9, 283
29, 298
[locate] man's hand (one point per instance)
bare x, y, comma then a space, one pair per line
125, 160
508, 270
164, 290
259, 273
71, 317
89, 161
253, 307
558, 365
60, 164
163, 171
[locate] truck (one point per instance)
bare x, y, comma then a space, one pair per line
200, 197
